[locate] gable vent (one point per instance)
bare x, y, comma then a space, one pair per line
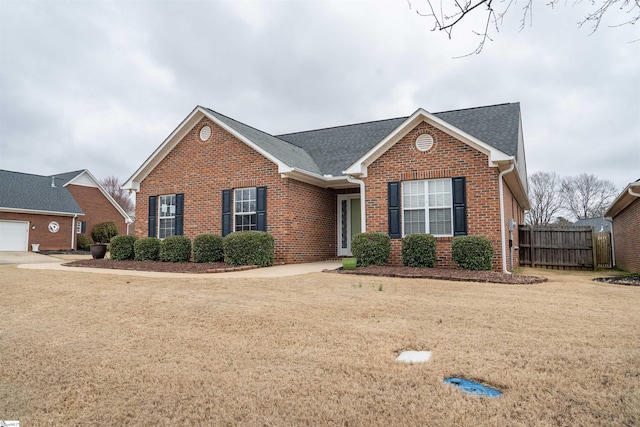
424, 142
205, 133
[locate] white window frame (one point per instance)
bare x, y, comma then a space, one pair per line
78, 227
171, 216
252, 226
425, 205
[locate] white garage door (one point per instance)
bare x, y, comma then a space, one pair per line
14, 235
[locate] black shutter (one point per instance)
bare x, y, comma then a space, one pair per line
83, 227
152, 216
393, 195
459, 206
179, 214
226, 212
261, 208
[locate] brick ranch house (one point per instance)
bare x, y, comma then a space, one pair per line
625, 214
50, 211
453, 173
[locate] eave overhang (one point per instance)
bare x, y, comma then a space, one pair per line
40, 212
624, 199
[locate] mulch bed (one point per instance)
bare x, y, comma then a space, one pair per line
159, 266
444, 274
632, 280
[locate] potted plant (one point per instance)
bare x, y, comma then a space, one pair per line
101, 235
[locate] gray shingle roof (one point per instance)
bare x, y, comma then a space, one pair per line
67, 176
333, 150
290, 154
34, 192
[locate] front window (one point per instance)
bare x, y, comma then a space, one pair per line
427, 207
167, 216
245, 218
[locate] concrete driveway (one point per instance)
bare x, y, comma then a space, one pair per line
8, 257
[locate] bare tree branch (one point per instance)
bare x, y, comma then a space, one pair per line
587, 196
112, 185
449, 13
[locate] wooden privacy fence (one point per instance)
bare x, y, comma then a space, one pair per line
564, 247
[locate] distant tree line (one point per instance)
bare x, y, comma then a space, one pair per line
553, 198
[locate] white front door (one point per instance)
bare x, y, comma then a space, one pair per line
349, 221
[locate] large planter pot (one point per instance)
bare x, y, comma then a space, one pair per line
98, 251
349, 263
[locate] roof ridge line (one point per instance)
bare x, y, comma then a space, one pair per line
475, 108
344, 126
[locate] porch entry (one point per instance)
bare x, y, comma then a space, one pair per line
349, 221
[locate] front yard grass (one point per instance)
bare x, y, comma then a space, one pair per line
86, 349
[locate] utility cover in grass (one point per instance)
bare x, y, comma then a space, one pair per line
473, 388
414, 356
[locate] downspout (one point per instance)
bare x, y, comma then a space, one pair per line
632, 193
504, 248
363, 214
73, 231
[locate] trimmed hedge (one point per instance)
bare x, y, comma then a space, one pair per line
371, 248
419, 250
249, 248
84, 242
104, 232
147, 249
472, 252
122, 247
175, 249
208, 248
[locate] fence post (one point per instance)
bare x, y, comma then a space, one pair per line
532, 246
594, 248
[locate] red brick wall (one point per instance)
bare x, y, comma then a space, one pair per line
626, 237
96, 208
446, 159
39, 229
301, 217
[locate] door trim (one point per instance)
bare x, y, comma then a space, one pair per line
341, 198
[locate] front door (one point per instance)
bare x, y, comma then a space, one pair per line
349, 221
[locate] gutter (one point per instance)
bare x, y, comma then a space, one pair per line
632, 193
502, 242
363, 210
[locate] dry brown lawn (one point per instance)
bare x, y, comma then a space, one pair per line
85, 349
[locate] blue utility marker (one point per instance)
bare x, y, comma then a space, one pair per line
473, 388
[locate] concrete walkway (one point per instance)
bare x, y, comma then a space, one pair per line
275, 271
8, 257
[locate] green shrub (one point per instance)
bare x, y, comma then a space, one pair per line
121, 247
208, 248
249, 248
147, 249
84, 242
371, 248
175, 249
104, 231
419, 250
472, 252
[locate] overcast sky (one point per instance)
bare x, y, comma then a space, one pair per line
99, 85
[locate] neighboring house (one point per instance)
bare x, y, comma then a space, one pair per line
625, 212
598, 224
439, 173
50, 211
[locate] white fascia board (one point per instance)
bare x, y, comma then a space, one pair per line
282, 167
104, 192
360, 166
77, 180
514, 181
316, 179
133, 183
37, 212
623, 200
